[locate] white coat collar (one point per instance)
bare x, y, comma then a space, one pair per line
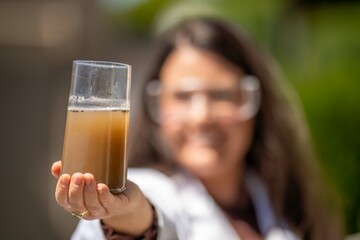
201, 205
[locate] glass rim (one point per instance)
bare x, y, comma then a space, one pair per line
103, 64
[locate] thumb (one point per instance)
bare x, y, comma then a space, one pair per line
56, 169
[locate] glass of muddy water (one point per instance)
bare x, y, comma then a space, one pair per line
97, 122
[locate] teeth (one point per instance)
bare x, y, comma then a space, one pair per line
204, 139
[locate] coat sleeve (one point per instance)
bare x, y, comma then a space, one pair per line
92, 230
88, 230
161, 192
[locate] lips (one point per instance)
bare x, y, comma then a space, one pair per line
204, 139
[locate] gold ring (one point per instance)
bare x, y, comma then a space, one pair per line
79, 215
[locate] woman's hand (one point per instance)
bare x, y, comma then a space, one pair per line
128, 212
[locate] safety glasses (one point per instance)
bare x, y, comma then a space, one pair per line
192, 99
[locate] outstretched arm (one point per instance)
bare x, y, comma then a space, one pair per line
129, 212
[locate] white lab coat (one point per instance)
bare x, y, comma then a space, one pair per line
187, 212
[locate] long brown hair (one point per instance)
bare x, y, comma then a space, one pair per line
281, 152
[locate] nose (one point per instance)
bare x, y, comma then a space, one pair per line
199, 111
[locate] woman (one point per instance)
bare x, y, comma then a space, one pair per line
233, 152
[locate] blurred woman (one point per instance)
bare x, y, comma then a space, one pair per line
220, 151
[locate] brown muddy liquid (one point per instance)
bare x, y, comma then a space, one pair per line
95, 142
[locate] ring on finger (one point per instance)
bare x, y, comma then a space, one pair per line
79, 215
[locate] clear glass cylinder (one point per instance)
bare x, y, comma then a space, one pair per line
97, 122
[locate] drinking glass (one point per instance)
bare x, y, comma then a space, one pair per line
97, 122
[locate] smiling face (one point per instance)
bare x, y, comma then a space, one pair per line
200, 86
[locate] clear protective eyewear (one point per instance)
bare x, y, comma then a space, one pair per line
191, 98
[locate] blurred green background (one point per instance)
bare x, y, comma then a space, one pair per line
316, 43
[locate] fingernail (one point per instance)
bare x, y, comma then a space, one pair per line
87, 181
100, 189
65, 180
77, 180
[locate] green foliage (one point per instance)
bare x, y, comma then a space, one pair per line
327, 77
